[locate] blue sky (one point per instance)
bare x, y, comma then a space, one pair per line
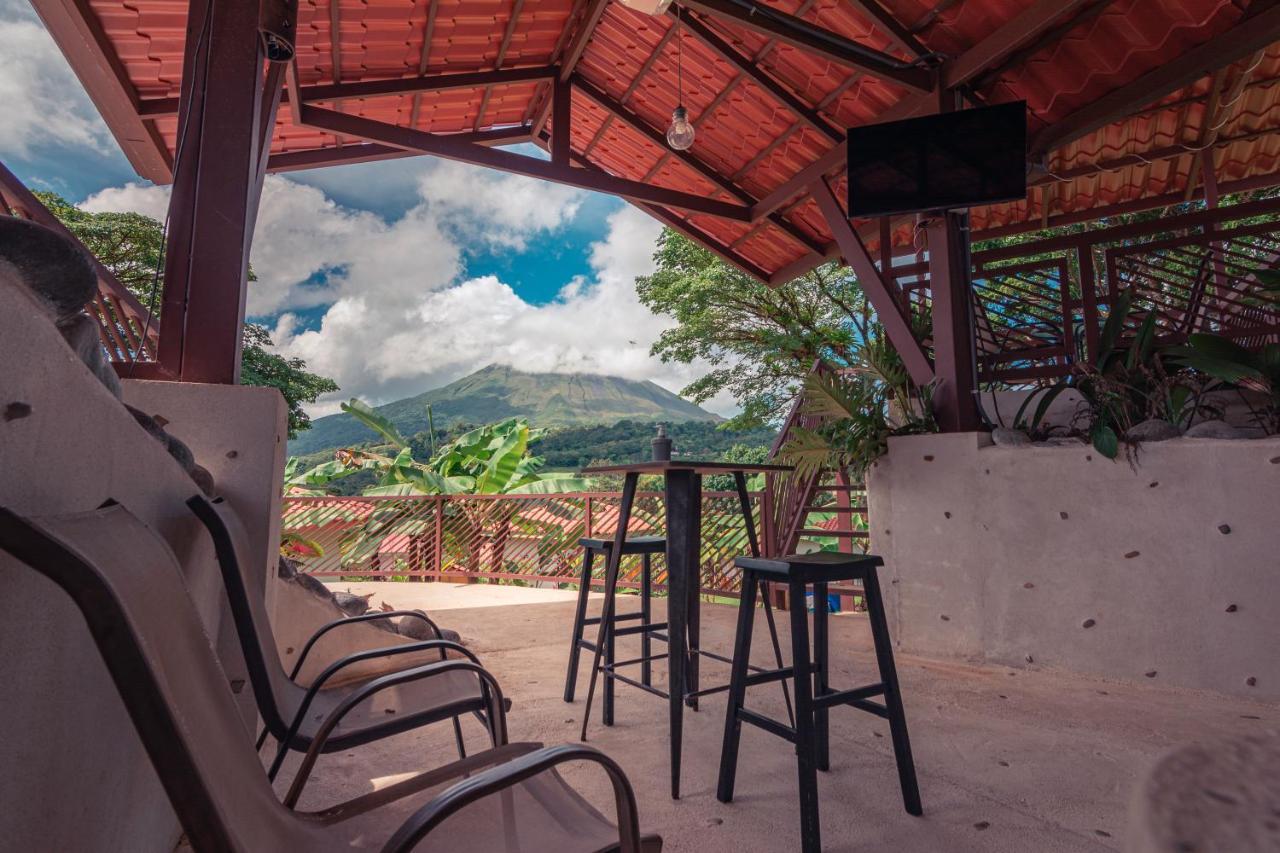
391, 277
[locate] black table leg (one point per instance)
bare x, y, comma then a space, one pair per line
693, 619
821, 685
682, 561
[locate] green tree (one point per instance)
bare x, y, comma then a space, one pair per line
760, 341
131, 246
260, 366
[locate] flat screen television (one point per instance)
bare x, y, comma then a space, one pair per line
950, 160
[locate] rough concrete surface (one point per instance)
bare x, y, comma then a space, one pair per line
1157, 568
1024, 761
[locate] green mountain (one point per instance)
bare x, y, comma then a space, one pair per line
548, 400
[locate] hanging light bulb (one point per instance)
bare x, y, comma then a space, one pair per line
680, 133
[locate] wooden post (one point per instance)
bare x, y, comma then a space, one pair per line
437, 558
222, 128
953, 397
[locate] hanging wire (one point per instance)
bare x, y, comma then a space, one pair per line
679, 57
177, 165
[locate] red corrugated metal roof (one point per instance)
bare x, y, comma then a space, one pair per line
745, 133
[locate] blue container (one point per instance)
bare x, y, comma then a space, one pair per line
833, 602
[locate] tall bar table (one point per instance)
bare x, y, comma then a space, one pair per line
683, 489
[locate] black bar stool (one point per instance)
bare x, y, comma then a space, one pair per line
646, 547
813, 694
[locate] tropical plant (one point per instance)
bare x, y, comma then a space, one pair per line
1129, 382
490, 460
858, 410
1230, 363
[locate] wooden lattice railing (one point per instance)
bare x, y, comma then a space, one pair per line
1039, 305
123, 327
523, 538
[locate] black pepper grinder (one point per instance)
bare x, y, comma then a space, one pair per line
662, 445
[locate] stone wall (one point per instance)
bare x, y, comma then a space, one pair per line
75, 774
1165, 569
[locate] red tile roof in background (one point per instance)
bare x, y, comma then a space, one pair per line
745, 133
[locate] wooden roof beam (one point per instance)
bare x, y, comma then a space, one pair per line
1019, 32
370, 152
78, 33
157, 107
800, 33
882, 293
884, 21
690, 160
1255, 31
508, 161
510, 30
753, 69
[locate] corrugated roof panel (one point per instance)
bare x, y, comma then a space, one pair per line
745, 132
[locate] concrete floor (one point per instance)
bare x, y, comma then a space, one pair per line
1008, 760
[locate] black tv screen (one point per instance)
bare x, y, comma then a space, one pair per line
958, 159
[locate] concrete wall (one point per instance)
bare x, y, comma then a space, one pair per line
1006, 554
75, 776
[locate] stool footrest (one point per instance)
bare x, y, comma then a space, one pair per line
849, 697
620, 617
769, 676
609, 667
641, 629
648, 688
769, 724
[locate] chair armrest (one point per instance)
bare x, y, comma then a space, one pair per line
496, 779
488, 684
337, 666
350, 620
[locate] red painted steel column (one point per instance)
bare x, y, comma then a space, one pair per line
953, 397
217, 184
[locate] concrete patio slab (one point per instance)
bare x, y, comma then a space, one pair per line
1016, 760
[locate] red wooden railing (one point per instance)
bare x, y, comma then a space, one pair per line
123, 328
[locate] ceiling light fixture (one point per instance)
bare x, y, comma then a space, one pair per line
680, 134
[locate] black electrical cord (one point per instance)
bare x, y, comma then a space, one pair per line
177, 165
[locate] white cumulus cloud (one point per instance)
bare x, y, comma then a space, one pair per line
43, 102
400, 315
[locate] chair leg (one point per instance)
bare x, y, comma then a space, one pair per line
892, 696
821, 683
646, 617
737, 689
810, 835
457, 736
579, 616
765, 594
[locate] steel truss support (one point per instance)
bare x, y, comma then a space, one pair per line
880, 290
227, 110
519, 164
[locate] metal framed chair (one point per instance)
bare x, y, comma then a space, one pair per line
127, 585
294, 714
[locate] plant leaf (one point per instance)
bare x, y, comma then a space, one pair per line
362, 412
1105, 440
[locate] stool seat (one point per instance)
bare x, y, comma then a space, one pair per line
632, 545
818, 567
